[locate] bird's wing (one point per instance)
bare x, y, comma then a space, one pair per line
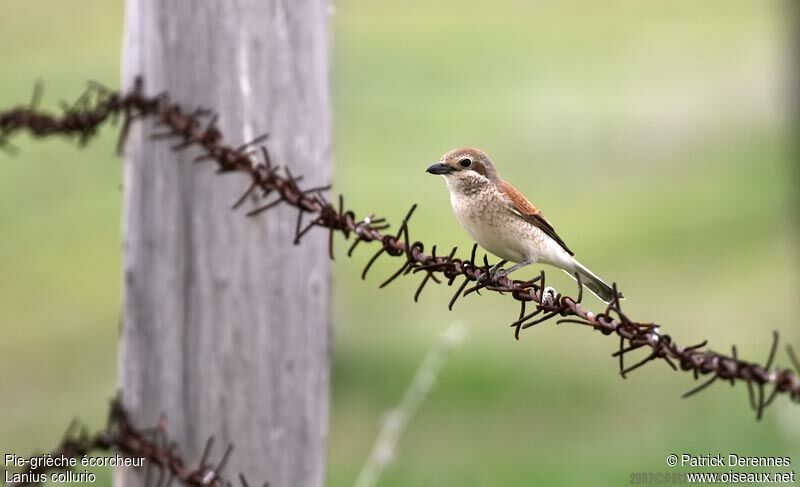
523, 208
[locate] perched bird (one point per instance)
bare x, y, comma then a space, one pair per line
503, 221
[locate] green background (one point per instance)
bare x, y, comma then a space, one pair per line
654, 135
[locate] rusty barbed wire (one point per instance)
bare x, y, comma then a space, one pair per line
163, 463
277, 186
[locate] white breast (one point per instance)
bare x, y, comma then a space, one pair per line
489, 223
487, 218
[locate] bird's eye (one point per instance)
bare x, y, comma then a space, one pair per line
466, 162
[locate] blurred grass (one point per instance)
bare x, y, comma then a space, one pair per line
653, 135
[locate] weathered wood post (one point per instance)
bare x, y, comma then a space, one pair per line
226, 324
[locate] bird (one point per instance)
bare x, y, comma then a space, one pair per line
504, 222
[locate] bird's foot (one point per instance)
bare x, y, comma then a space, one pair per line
499, 273
496, 271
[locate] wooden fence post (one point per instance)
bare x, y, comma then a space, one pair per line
226, 323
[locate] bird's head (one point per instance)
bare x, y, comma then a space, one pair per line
465, 169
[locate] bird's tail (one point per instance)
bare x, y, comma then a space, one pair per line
594, 283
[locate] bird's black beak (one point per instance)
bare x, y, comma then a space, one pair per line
439, 168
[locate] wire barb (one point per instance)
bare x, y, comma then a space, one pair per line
153, 445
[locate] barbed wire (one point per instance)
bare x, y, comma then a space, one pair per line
276, 186
163, 463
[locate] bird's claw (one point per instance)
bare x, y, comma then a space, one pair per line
499, 274
495, 272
